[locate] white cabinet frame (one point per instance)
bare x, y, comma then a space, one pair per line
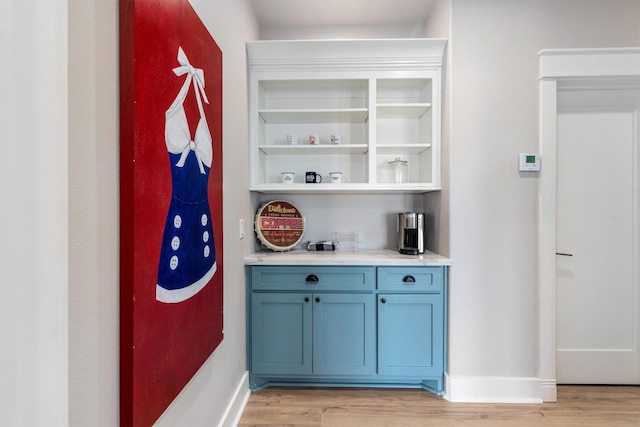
385, 88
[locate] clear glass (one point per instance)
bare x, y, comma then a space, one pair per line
398, 171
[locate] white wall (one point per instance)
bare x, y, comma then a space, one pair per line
93, 213
436, 204
438, 20
494, 116
33, 242
340, 32
373, 217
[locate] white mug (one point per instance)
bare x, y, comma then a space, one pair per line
314, 140
288, 177
336, 139
292, 139
336, 177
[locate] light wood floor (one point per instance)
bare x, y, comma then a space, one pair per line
577, 406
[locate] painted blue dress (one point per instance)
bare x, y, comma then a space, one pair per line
188, 254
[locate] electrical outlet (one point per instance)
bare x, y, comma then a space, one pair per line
241, 228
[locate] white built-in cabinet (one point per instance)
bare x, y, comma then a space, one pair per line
383, 97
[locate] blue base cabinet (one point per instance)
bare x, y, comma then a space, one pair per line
346, 326
409, 335
344, 335
281, 328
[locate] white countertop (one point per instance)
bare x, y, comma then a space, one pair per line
361, 257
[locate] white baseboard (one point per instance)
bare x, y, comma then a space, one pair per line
236, 406
548, 390
494, 389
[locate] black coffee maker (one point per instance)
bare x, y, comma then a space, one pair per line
411, 233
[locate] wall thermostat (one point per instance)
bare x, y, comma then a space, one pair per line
529, 162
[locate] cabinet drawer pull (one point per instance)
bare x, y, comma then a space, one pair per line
312, 278
317, 299
306, 299
408, 279
383, 300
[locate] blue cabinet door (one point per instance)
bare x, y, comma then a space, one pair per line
281, 333
410, 335
344, 334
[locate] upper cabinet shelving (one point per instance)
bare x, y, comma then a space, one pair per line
381, 97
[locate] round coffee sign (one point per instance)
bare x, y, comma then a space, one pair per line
279, 225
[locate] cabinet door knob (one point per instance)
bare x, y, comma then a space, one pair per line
383, 300
409, 279
312, 278
306, 299
317, 299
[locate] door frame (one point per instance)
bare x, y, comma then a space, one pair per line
562, 69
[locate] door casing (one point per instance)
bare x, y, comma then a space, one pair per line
560, 69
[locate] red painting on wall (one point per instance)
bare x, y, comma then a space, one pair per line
171, 203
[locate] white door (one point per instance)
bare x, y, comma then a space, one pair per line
597, 280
